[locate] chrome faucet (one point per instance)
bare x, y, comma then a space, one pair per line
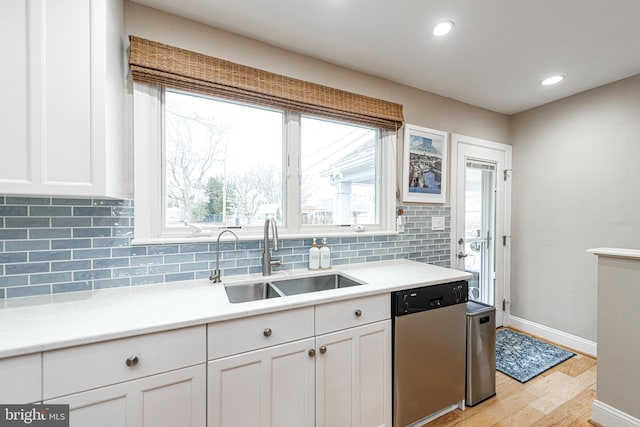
266, 256
216, 275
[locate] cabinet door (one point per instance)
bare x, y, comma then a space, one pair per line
49, 116
14, 117
176, 398
65, 117
21, 379
63, 114
272, 387
353, 377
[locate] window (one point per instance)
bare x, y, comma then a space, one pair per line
220, 144
223, 162
339, 173
227, 164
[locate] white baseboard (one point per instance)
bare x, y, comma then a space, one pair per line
609, 416
559, 337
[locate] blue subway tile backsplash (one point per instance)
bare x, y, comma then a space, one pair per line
56, 245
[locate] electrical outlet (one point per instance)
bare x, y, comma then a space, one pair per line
437, 223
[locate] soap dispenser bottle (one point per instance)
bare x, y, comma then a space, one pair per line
325, 255
314, 256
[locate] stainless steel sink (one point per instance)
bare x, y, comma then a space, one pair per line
250, 292
280, 288
314, 284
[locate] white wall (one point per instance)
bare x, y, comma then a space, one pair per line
575, 186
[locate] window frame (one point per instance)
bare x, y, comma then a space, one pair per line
149, 183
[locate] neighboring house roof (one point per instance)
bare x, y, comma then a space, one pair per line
356, 166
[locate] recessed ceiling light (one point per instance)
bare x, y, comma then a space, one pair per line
552, 80
442, 28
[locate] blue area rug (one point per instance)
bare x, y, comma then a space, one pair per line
522, 357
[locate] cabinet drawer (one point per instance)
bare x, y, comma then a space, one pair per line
96, 365
353, 312
21, 379
251, 333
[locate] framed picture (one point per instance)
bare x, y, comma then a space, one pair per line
425, 165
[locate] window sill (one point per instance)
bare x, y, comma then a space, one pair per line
257, 236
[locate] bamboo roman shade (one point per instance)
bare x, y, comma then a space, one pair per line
177, 68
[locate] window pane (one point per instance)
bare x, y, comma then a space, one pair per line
223, 162
339, 176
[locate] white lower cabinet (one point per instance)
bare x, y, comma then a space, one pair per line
327, 365
153, 380
176, 398
269, 387
353, 377
341, 377
21, 379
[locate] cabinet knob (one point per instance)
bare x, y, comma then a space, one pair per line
132, 361
323, 349
312, 352
267, 332
358, 313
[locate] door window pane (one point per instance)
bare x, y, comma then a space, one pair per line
223, 162
339, 173
480, 229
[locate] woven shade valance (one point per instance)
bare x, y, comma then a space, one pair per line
177, 68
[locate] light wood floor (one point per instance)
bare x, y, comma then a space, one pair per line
562, 397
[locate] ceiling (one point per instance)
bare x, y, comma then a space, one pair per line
495, 57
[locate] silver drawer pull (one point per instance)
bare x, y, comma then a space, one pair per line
323, 350
132, 361
267, 332
358, 313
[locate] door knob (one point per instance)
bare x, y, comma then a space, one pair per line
462, 255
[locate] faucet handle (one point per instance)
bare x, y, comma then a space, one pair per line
215, 276
275, 262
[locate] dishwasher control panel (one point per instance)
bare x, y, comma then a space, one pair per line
429, 297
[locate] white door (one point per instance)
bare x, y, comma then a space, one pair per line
481, 209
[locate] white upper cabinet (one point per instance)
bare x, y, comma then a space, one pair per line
62, 115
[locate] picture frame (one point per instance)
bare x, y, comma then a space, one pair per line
425, 165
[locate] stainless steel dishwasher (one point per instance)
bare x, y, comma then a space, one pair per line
429, 344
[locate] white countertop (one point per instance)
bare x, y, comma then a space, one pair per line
34, 324
616, 252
